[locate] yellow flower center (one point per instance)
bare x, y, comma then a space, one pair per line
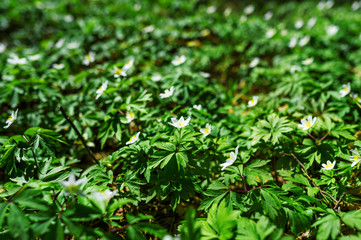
133, 138
131, 115
346, 89
308, 124
87, 57
252, 101
206, 130
10, 117
118, 71
329, 165
73, 189
358, 99
357, 158
181, 123
179, 60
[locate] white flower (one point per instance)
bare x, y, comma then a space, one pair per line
207, 130
14, 59
137, 7
346, 88
356, 97
321, 5
128, 65
270, 33
167, 93
243, 18
329, 4
11, 118
156, 77
198, 107
133, 139
332, 30
293, 42
268, 15
227, 11
2, 47
130, 116
148, 29
205, 74
254, 62
211, 9
118, 72
253, 101
284, 32
104, 196
73, 45
298, 24
248, 10
311, 22
102, 89
306, 124
68, 18
34, 57
181, 123
73, 187
230, 160
58, 66
303, 41
355, 6
329, 165
295, 68
179, 60
356, 158
89, 58
307, 61
59, 43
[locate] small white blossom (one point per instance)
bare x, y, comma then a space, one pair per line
295, 68
104, 196
254, 62
11, 118
268, 15
311, 22
14, 59
270, 33
58, 66
205, 74
207, 130
230, 160
356, 158
329, 4
307, 61
137, 7
307, 123
34, 57
293, 42
156, 77
211, 9
243, 18
73, 45
299, 24
128, 65
133, 139
355, 6
332, 30
179, 60
130, 116
2, 47
59, 43
181, 123
167, 93
89, 58
198, 107
346, 88
148, 29
248, 10
68, 18
329, 165
253, 101
102, 89
227, 11
73, 186
119, 72
303, 41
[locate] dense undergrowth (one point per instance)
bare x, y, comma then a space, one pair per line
193, 119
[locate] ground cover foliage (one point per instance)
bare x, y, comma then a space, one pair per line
180, 119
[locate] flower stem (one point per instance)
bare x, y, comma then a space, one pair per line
310, 135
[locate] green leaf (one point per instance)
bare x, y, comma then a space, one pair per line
329, 227
18, 223
352, 219
182, 159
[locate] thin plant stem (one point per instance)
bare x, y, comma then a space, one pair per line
79, 135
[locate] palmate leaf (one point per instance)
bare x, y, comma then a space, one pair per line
272, 129
352, 219
328, 227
